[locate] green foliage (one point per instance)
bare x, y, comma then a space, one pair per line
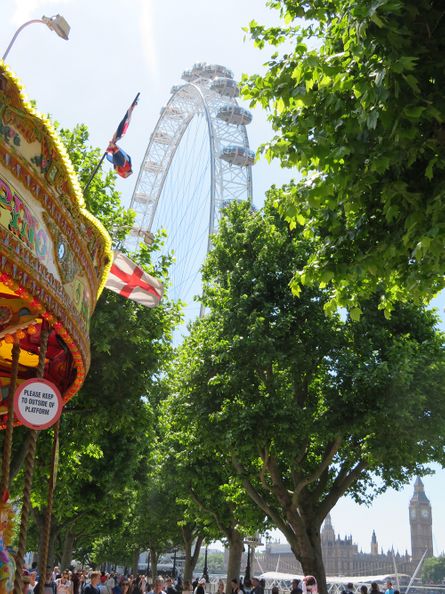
102, 198
108, 428
215, 563
356, 100
304, 407
433, 570
210, 494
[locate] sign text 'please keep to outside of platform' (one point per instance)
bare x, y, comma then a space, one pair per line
38, 403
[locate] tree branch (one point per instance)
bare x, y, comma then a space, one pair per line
198, 543
331, 450
260, 501
208, 511
282, 494
340, 486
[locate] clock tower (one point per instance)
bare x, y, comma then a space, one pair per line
421, 523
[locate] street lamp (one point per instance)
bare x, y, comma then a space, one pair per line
205, 573
174, 562
247, 574
56, 23
252, 542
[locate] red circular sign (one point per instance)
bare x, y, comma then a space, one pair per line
38, 403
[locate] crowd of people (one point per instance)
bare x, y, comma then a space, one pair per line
373, 590
100, 582
94, 582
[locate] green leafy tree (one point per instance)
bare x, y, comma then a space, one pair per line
212, 496
215, 563
107, 427
192, 525
433, 570
356, 100
306, 408
102, 199
156, 519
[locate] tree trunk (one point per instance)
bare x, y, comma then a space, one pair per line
188, 569
191, 558
67, 553
235, 540
18, 457
308, 552
135, 562
153, 564
40, 521
52, 546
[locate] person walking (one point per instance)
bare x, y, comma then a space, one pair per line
49, 585
296, 587
309, 584
257, 588
64, 585
169, 587
122, 587
158, 586
201, 587
93, 586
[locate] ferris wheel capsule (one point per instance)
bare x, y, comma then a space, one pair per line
225, 86
234, 114
212, 71
161, 138
188, 76
239, 155
198, 69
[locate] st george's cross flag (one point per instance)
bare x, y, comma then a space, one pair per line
131, 281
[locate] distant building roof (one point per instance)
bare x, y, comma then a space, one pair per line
419, 492
279, 548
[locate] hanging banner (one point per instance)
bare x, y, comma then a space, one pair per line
38, 403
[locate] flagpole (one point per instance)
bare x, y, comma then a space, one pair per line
85, 190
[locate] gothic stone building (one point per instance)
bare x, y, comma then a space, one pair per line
342, 557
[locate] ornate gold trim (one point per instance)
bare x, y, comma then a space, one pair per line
73, 188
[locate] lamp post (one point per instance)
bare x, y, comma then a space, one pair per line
205, 573
174, 562
251, 542
56, 23
247, 573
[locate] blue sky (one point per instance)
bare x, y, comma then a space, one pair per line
117, 49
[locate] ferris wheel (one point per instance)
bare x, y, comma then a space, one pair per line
197, 160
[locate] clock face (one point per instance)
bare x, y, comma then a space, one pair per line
61, 250
412, 513
424, 513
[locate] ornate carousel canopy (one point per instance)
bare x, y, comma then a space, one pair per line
54, 255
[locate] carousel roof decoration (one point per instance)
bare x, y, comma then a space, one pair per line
55, 256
